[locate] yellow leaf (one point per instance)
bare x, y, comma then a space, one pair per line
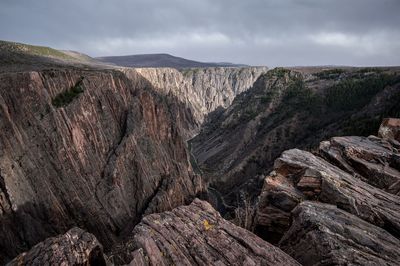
207, 225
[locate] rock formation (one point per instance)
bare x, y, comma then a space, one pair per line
359, 220
373, 160
203, 90
197, 235
288, 109
104, 149
110, 151
97, 148
299, 175
390, 129
75, 247
322, 234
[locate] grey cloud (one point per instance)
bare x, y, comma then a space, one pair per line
259, 32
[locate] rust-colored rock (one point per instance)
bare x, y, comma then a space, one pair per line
322, 234
198, 235
390, 129
75, 247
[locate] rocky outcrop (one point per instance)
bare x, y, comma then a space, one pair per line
373, 160
322, 234
75, 247
197, 235
322, 214
203, 90
390, 129
299, 175
111, 153
288, 109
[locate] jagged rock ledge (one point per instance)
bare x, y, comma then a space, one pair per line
325, 215
75, 247
188, 235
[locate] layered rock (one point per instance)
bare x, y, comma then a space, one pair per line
322, 234
322, 214
203, 90
198, 235
109, 152
374, 160
75, 247
299, 175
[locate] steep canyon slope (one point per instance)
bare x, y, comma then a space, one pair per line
286, 109
89, 148
203, 90
105, 149
95, 146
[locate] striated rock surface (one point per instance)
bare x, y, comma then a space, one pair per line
75, 247
299, 175
373, 160
335, 214
203, 90
198, 235
390, 129
322, 234
109, 150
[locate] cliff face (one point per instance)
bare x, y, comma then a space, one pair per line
203, 90
286, 109
109, 151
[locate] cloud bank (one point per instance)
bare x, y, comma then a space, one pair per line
256, 32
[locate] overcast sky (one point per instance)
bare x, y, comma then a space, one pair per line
256, 32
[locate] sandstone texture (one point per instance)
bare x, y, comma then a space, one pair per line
101, 161
75, 247
198, 235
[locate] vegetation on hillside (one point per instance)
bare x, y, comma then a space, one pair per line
32, 50
330, 73
67, 96
352, 93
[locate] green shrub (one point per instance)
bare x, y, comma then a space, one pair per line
330, 74
278, 72
353, 93
66, 97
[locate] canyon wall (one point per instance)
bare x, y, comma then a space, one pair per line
94, 149
286, 109
202, 89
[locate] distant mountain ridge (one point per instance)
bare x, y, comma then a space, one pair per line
160, 60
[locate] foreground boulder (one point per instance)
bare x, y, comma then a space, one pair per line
198, 235
322, 234
374, 160
75, 247
299, 175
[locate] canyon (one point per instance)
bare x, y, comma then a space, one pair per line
109, 165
